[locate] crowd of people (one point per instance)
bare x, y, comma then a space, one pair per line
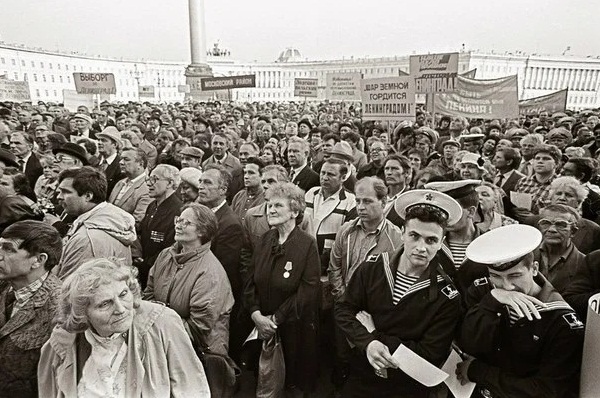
141, 244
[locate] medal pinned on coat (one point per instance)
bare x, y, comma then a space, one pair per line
288, 267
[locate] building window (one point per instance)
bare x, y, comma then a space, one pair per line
55, 94
58, 66
41, 65
47, 94
22, 62
35, 78
50, 65
33, 66
68, 79
25, 77
2, 60
16, 76
66, 67
52, 78
13, 62
37, 92
60, 79
44, 78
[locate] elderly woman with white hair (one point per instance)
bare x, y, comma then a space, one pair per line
108, 342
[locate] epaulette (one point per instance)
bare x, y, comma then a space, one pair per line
373, 258
480, 282
573, 321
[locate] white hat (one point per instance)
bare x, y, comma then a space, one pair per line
191, 176
473, 158
454, 189
503, 248
428, 197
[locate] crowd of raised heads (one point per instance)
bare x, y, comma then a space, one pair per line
293, 249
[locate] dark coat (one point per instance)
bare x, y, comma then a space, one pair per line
22, 337
33, 170
157, 231
293, 300
113, 175
13, 209
585, 283
307, 179
562, 273
227, 246
509, 185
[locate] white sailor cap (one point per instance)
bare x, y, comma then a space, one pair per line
428, 197
455, 189
503, 248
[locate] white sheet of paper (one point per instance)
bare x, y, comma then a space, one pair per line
452, 382
521, 199
252, 336
418, 368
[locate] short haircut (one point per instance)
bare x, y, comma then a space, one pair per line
29, 138
282, 173
513, 155
220, 134
37, 237
256, 161
352, 136
87, 179
561, 209
225, 176
330, 136
551, 150
207, 221
252, 144
169, 172
584, 166
303, 143
535, 139
403, 160
342, 163
571, 183
20, 182
428, 214
289, 191
377, 184
80, 287
140, 156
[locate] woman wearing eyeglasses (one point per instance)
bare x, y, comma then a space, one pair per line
188, 278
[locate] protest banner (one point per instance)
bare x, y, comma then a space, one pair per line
434, 73
183, 88
94, 83
343, 86
227, 82
388, 98
480, 99
589, 381
146, 92
11, 90
71, 100
306, 87
551, 103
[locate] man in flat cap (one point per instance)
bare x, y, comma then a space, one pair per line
522, 338
83, 127
401, 298
109, 144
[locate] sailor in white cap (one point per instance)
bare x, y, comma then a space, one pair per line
524, 339
401, 297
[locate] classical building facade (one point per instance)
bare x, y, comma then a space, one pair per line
49, 73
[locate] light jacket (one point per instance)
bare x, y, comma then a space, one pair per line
105, 231
160, 359
339, 271
196, 286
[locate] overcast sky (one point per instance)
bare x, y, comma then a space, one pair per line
320, 29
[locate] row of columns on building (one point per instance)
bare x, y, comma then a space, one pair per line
559, 78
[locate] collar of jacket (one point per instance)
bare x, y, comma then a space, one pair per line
185, 257
342, 193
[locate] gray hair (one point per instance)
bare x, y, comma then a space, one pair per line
297, 140
289, 191
80, 287
377, 184
571, 183
207, 225
282, 173
169, 172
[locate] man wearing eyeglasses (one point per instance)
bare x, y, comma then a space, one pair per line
157, 229
378, 152
557, 256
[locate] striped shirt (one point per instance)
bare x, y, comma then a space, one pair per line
401, 285
458, 252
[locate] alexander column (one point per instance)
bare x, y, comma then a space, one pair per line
198, 68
